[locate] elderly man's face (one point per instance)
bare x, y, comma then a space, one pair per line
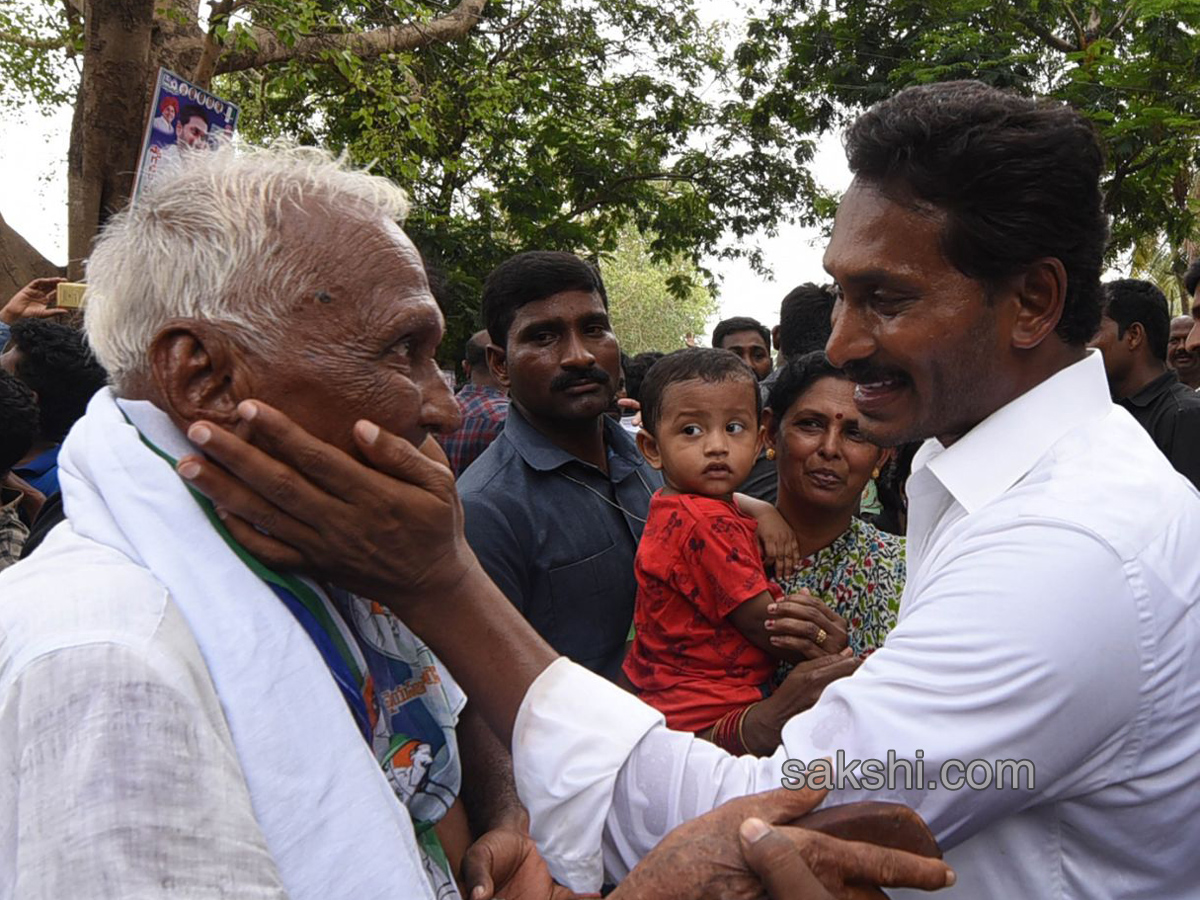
361, 346
918, 337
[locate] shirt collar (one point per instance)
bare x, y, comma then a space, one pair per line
542, 454
43, 462
1153, 390
999, 451
469, 390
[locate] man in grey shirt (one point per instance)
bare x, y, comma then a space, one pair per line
556, 505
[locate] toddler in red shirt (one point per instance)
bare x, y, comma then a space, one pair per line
700, 654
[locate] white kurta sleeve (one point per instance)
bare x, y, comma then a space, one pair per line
117, 780
604, 779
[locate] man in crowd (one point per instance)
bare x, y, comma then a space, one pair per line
1048, 630
1133, 338
804, 320
483, 405
555, 507
1184, 363
54, 361
179, 719
18, 429
803, 327
749, 339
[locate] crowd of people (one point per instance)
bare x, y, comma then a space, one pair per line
281, 615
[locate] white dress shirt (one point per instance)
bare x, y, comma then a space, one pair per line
1049, 615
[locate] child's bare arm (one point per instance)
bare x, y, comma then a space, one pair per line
779, 545
796, 628
750, 619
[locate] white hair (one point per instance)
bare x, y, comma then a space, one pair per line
205, 242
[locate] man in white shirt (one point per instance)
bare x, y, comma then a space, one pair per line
1048, 634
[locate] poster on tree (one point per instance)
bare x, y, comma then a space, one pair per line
183, 119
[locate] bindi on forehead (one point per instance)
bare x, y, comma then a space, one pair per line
324, 297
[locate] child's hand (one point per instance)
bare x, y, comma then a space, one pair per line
779, 544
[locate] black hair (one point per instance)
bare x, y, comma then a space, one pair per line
693, 364
635, 370
57, 365
1192, 278
528, 278
1129, 300
727, 327
18, 421
1018, 180
805, 319
474, 352
192, 111
796, 377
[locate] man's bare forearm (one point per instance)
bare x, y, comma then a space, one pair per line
485, 643
489, 790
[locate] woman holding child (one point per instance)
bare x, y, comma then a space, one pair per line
824, 462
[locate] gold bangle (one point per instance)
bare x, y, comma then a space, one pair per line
741, 721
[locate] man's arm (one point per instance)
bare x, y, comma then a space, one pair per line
1024, 646
120, 784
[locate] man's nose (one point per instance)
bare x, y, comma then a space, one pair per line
850, 339
576, 353
1193, 339
440, 411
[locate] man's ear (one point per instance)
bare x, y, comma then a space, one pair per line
1135, 336
497, 361
196, 373
648, 444
775, 338
1041, 293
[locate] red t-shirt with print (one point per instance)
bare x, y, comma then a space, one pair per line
698, 561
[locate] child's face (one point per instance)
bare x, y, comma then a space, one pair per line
707, 436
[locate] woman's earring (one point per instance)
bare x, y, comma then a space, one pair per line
875, 472
770, 453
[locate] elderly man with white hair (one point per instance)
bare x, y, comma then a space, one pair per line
178, 719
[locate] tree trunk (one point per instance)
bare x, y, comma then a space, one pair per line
110, 113
20, 262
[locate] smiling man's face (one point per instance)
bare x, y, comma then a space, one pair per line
921, 339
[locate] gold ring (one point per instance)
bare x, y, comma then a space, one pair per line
821, 635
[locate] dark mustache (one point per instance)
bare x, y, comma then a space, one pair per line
576, 378
864, 372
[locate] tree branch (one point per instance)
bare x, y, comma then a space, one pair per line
57, 43
365, 44
1078, 25
628, 179
219, 11
1120, 20
1048, 37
